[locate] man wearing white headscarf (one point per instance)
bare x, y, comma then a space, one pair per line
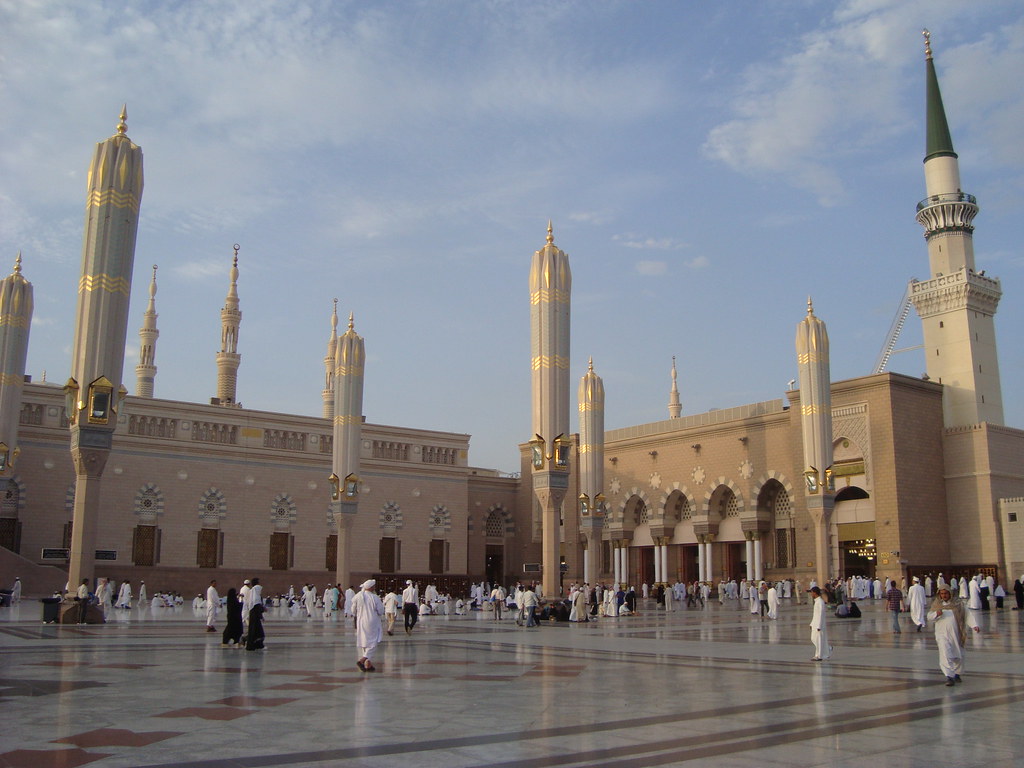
212, 604
243, 598
917, 597
951, 620
974, 603
773, 602
368, 609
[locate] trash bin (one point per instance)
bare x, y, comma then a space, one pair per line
51, 609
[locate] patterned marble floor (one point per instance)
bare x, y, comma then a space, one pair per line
713, 687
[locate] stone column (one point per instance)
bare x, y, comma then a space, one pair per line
758, 552
750, 556
701, 557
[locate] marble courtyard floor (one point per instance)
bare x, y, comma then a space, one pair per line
714, 687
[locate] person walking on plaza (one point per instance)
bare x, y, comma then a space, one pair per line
233, 629
951, 619
212, 604
391, 601
124, 595
368, 609
894, 605
530, 603
917, 597
498, 601
819, 628
410, 606
1018, 592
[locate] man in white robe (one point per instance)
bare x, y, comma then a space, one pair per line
917, 598
142, 593
391, 604
410, 606
331, 597
928, 585
310, 600
212, 604
755, 603
253, 597
124, 595
773, 602
819, 627
368, 609
974, 602
951, 619
350, 593
243, 598
16, 591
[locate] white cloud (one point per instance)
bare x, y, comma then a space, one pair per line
640, 242
698, 262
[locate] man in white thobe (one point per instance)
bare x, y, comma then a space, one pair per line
142, 593
349, 595
917, 598
16, 591
974, 603
951, 619
212, 604
391, 603
243, 598
819, 627
368, 609
773, 602
928, 584
124, 595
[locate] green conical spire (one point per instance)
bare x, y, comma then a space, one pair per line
938, 142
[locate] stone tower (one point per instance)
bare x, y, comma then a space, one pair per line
550, 292
113, 195
812, 357
332, 343
228, 357
591, 469
15, 323
145, 371
675, 407
350, 361
957, 305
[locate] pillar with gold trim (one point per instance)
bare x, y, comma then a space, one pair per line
550, 290
816, 430
15, 322
350, 362
95, 389
591, 470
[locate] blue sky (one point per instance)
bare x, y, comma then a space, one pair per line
706, 167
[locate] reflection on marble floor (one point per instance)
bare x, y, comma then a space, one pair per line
713, 687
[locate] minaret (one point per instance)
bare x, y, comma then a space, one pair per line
550, 291
145, 371
675, 408
956, 304
332, 343
812, 357
15, 323
591, 469
114, 192
350, 360
228, 357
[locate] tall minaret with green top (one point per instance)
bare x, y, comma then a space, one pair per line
957, 304
113, 196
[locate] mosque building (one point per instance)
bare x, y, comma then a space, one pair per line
885, 475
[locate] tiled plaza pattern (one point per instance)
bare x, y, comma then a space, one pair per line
712, 687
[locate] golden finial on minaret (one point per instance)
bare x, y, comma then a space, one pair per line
122, 126
17, 264
551, 236
236, 246
351, 321
810, 306
927, 43
590, 364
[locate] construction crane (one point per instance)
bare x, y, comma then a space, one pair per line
889, 348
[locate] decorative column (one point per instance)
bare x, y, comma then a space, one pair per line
758, 555
550, 292
750, 554
350, 361
591, 467
657, 562
812, 352
664, 562
92, 394
701, 557
145, 371
15, 323
709, 564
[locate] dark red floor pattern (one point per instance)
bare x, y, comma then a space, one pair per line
117, 737
209, 713
48, 758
